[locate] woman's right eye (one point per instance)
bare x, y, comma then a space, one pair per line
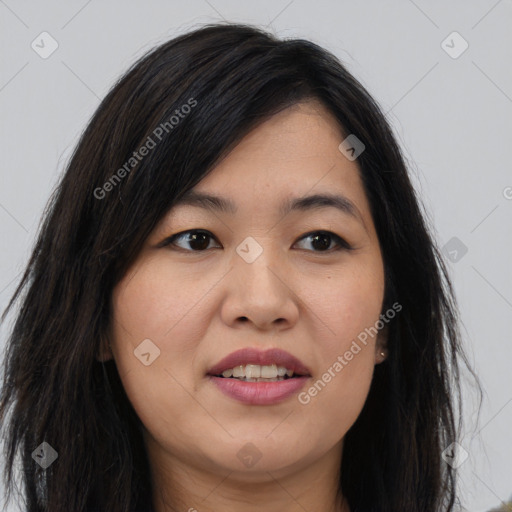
197, 240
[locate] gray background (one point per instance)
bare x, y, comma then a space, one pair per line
452, 116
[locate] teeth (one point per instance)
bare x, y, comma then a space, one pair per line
269, 372
255, 372
261, 380
238, 371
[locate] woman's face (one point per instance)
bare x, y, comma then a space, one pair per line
256, 278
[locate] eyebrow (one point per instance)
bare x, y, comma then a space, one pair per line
221, 204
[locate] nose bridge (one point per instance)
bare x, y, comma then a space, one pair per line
259, 293
254, 260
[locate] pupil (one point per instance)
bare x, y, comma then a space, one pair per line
326, 239
199, 238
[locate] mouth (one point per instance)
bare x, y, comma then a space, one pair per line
254, 377
258, 373
253, 365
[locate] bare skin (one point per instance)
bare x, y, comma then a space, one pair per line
197, 306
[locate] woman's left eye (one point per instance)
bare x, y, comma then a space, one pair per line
323, 239
198, 240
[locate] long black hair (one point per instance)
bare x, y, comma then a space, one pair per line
190, 101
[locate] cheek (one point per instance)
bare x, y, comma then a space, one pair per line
337, 393
145, 308
347, 305
154, 301
347, 302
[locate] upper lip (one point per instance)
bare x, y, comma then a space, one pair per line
261, 357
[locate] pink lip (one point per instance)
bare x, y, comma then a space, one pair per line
259, 393
255, 356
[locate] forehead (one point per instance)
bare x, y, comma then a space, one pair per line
291, 155
305, 130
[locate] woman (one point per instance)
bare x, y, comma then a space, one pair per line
257, 369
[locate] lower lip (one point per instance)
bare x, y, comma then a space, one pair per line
259, 393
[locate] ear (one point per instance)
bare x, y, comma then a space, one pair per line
105, 351
381, 345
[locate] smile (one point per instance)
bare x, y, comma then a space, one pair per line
258, 373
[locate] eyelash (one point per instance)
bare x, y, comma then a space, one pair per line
341, 243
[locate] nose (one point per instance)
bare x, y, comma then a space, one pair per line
260, 294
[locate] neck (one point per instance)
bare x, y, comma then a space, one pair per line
180, 485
